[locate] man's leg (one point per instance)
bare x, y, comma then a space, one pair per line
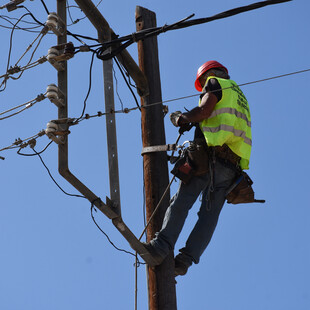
176, 214
207, 218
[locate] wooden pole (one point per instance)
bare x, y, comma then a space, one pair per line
161, 282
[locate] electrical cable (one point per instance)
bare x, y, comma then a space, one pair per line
29, 12
10, 51
23, 143
133, 94
42, 34
155, 31
89, 88
45, 7
49, 173
127, 110
116, 88
22, 154
28, 29
69, 12
117, 248
38, 98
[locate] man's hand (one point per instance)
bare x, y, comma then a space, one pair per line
185, 127
174, 118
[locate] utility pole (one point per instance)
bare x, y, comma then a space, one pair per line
161, 282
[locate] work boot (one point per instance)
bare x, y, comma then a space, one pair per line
180, 265
154, 253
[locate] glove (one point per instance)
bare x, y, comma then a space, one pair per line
185, 127
174, 117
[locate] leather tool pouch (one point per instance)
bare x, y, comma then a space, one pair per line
183, 168
198, 156
193, 162
241, 191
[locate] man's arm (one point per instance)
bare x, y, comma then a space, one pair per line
198, 114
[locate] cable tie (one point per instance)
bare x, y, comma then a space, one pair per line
126, 110
99, 113
87, 116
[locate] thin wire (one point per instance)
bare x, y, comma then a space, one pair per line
239, 85
7, 19
116, 89
78, 19
49, 173
69, 13
45, 7
22, 154
27, 105
18, 142
10, 50
29, 47
127, 110
89, 87
128, 85
19, 106
117, 248
18, 112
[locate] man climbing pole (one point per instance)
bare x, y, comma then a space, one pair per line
224, 136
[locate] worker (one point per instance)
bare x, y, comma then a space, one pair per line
225, 126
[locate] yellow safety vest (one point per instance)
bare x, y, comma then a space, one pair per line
230, 122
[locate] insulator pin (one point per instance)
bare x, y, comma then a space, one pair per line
55, 95
55, 24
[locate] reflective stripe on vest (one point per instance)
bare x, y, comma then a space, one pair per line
236, 132
230, 122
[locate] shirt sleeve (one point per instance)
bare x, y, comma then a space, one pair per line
213, 86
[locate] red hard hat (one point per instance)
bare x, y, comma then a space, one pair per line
204, 68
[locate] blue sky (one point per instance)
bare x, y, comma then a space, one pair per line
54, 257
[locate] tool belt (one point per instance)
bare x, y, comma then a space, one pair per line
194, 161
225, 154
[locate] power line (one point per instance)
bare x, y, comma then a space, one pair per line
127, 110
149, 32
45, 7
19, 143
26, 106
49, 173
127, 83
108, 238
